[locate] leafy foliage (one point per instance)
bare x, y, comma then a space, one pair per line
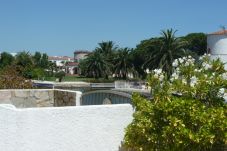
123, 63
197, 42
96, 65
6, 59
11, 79
187, 112
164, 50
60, 75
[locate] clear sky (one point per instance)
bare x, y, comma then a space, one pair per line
58, 27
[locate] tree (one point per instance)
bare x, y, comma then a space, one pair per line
6, 59
197, 42
44, 62
107, 50
52, 67
41, 60
164, 50
10, 78
24, 60
60, 75
123, 63
37, 57
38, 73
96, 65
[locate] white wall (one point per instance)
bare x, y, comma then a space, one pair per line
218, 47
217, 44
87, 128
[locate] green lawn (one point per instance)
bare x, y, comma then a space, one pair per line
77, 78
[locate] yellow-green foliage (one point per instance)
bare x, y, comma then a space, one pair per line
187, 112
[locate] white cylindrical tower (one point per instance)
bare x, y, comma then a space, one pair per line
217, 45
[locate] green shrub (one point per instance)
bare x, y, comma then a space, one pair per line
60, 75
10, 78
187, 111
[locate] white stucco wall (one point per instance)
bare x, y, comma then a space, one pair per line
87, 128
217, 44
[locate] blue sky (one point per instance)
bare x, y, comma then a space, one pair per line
58, 27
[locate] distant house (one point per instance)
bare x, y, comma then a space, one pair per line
60, 60
72, 68
80, 55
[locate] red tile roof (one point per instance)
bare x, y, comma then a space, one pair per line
221, 32
72, 64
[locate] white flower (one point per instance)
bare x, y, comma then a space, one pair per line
174, 76
181, 60
221, 92
175, 63
186, 63
148, 71
155, 75
224, 75
158, 71
193, 81
161, 77
184, 81
206, 66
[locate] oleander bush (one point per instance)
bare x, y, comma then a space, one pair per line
187, 110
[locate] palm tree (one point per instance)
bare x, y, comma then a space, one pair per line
123, 63
106, 48
96, 65
165, 50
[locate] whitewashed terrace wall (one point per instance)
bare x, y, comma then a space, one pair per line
79, 128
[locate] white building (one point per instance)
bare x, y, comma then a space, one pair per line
72, 68
217, 45
60, 60
80, 55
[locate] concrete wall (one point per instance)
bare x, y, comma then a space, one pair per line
24, 98
90, 128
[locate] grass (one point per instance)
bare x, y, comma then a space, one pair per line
77, 78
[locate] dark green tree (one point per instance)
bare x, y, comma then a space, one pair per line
6, 59
37, 58
53, 68
24, 59
44, 63
108, 51
96, 65
165, 50
123, 63
60, 75
197, 42
142, 53
25, 62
